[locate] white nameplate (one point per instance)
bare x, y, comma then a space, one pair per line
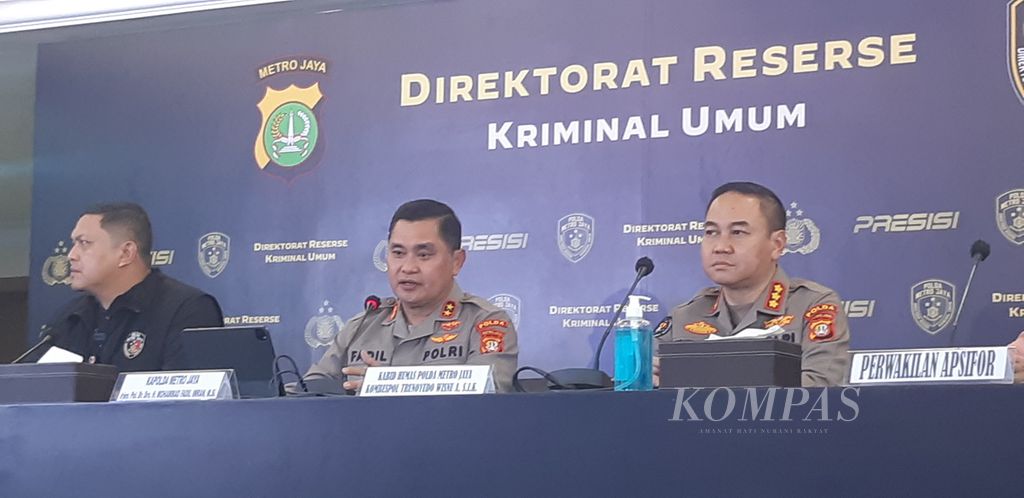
427, 381
982, 365
186, 385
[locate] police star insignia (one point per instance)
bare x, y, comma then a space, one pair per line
775, 297
448, 310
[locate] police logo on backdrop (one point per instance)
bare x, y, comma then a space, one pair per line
322, 327
57, 267
1016, 46
1010, 215
289, 140
133, 344
380, 256
508, 303
802, 235
575, 236
214, 253
931, 304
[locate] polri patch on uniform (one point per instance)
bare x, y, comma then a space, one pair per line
133, 344
663, 326
450, 326
700, 328
821, 322
492, 341
448, 310
781, 321
775, 297
487, 324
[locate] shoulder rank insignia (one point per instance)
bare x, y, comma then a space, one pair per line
821, 322
700, 328
776, 296
448, 310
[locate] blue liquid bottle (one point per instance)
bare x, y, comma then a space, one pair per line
633, 349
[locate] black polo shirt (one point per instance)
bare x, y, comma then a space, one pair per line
141, 331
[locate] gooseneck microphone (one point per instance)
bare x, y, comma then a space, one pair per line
979, 251
644, 266
593, 377
47, 339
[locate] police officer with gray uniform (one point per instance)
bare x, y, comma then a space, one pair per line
808, 313
465, 329
744, 237
431, 321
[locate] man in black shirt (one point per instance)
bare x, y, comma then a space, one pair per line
131, 316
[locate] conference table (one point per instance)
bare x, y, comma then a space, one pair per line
870, 441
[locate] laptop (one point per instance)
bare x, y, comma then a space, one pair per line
248, 350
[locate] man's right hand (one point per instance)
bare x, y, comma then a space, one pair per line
354, 385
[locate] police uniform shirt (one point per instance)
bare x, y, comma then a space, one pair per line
809, 313
141, 331
464, 330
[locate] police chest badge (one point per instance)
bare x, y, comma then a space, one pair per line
931, 304
214, 252
133, 344
1010, 215
575, 236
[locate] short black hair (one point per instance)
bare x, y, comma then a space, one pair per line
130, 217
771, 206
428, 209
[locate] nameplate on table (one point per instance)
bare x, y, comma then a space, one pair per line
185, 385
427, 380
975, 365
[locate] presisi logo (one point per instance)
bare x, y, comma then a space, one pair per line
910, 222
1016, 46
495, 241
161, 257
289, 133
859, 308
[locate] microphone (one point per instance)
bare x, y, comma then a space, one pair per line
47, 339
371, 303
979, 252
593, 377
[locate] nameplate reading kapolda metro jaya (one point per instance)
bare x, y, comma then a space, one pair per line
427, 381
185, 385
981, 365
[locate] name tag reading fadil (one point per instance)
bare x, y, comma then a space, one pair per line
978, 365
427, 380
185, 385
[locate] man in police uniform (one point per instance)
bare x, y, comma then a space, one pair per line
131, 316
744, 237
431, 321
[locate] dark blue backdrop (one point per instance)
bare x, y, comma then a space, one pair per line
169, 119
